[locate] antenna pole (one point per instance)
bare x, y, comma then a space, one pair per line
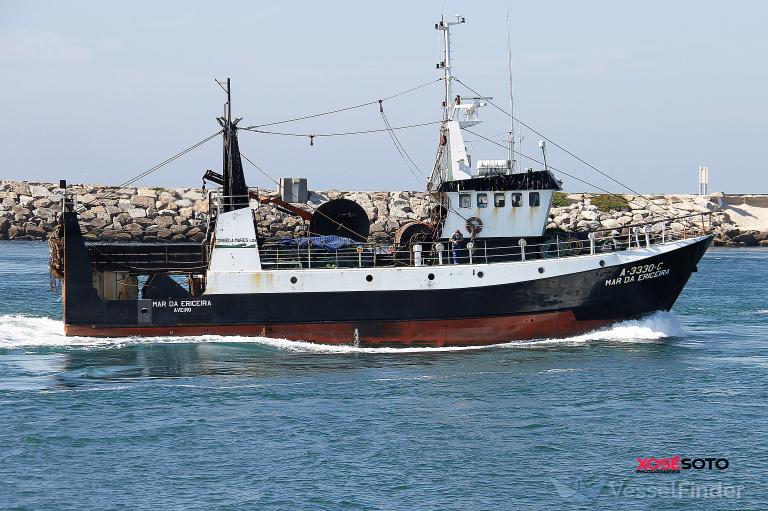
511, 155
229, 133
229, 103
447, 68
445, 26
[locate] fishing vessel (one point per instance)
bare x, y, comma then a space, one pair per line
483, 269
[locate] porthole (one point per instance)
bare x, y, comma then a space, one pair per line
541, 269
480, 274
144, 310
602, 263
369, 278
294, 280
431, 276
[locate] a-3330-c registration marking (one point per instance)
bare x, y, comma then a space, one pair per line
639, 273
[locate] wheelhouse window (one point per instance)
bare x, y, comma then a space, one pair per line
533, 199
498, 200
465, 200
516, 199
482, 200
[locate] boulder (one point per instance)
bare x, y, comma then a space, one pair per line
376, 227
144, 222
21, 189
39, 191
122, 217
183, 203
747, 239
34, 231
4, 225
14, 231
677, 227
201, 206
610, 223
86, 198
143, 201
42, 203
164, 221
46, 213
193, 195
146, 192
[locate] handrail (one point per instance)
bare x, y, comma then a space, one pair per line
367, 255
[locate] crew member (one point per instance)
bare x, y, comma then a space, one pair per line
456, 239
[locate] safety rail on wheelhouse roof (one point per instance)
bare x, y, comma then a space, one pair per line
559, 245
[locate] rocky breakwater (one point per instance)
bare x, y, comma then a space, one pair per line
30, 211
715, 213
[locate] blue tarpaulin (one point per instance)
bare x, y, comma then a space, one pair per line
320, 242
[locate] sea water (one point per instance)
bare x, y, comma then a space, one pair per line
255, 423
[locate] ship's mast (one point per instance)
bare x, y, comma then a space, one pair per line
234, 188
445, 26
444, 167
229, 129
511, 153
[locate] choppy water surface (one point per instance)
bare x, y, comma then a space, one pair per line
251, 423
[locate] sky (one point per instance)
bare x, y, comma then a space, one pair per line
98, 92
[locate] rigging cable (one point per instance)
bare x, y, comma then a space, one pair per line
147, 172
648, 201
340, 134
338, 110
541, 163
399, 146
260, 170
566, 174
315, 211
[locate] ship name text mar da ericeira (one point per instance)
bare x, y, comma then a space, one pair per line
482, 269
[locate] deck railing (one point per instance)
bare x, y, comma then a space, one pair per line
276, 256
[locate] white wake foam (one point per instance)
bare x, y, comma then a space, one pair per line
650, 328
19, 331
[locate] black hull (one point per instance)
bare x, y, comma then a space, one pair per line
555, 306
